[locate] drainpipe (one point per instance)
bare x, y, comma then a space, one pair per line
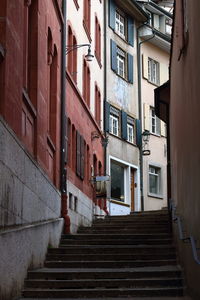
140, 105
63, 153
105, 85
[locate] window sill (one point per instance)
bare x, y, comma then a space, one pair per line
153, 83
119, 203
98, 60
50, 143
28, 103
155, 196
123, 78
155, 134
87, 31
124, 39
120, 138
76, 4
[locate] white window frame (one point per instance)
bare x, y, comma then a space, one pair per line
121, 63
156, 172
153, 71
130, 133
120, 24
154, 122
114, 125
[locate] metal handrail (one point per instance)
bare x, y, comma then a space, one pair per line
190, 238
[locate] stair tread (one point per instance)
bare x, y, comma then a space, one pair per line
107, 280
99, 270
114, 289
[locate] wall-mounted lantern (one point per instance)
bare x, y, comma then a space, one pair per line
145, 144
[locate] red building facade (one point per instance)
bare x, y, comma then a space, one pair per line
30, 101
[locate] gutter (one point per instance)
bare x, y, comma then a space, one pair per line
63, 149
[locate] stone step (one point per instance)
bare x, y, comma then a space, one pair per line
114, 236
104, 230
101, 292
105, 273
108, 257
138, 220
116, 242
114, 249
106, 283
109, 264
131, 225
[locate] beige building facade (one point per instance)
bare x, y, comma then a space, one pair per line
154, 48
121, 105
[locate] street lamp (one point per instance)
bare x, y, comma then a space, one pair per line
145, 138
88, 56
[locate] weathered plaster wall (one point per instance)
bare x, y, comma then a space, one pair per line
185, 127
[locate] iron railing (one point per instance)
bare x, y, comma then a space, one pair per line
177, 219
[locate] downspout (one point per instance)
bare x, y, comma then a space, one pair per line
63, 152
140, 106
105, 85
105, 144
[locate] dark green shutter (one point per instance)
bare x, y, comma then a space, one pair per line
124, 125
82, 157
107, 116
113, 51
138, 133
130, 31
112, 9
78, 154
130, 68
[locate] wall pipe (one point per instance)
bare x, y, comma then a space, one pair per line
105, 84
140, 105
63, 153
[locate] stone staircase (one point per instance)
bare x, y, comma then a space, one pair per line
119, 257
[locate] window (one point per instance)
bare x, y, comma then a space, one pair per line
120, 24
153, 71
154, 122
121, 63
97, 105
130, 131
86, 83
97, 40
80, 155
72, 55
114, 125
154, 180
86, 17
70, 200
117, 181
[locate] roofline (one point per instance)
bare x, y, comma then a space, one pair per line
140, 8
161, 9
